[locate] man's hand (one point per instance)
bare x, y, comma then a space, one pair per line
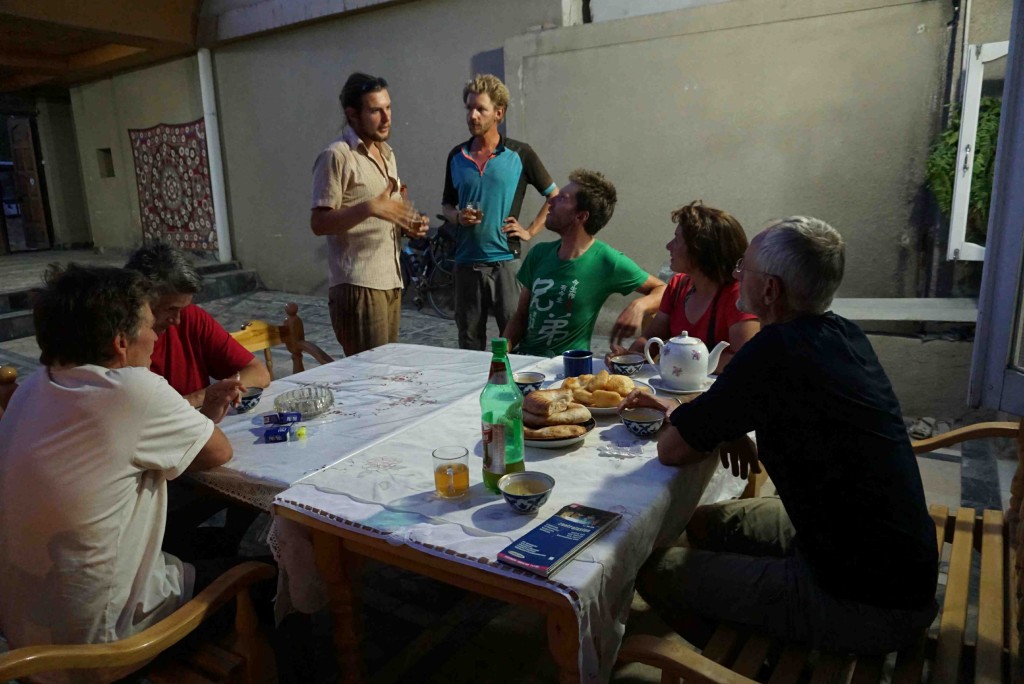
393, 211
628, 323
616, 350
513, 228
470, 217
640, 399
741, 455
219, 396
419, 228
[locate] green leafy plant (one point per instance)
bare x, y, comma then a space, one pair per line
941, 167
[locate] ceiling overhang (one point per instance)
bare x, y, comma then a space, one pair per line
60, 43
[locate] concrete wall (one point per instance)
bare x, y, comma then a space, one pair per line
103, 112
278, 100
764, 108
63, 174
608, 10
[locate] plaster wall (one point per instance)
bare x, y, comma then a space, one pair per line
278, 103
607, 10
764, 108
103, 112
63, 174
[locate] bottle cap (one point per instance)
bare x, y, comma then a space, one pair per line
499, 345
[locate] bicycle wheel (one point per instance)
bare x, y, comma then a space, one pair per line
442, 250
441, 293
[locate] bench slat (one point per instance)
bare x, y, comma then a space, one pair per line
940, 516
790, 665
868, 670
833, 668
722, 645
954, 608
1013, 607
751, 658
988, 665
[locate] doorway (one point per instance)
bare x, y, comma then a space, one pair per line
25, 224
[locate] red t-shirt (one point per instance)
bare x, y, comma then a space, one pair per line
187, 355
672, 303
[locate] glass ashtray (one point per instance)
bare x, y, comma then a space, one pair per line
309, 401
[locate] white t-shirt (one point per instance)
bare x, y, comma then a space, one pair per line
85, 455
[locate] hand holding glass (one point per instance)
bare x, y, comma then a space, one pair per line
451, 471
472, 212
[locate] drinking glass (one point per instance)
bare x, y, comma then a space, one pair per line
474, 207
451, 471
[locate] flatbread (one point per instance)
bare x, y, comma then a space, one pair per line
576, 413
547, 402
554, 432
605, 399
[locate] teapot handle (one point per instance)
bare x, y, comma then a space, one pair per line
647, 349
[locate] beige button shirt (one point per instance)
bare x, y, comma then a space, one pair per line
345, 175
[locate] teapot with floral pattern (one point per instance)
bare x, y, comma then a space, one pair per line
685, 362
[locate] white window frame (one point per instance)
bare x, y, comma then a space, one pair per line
996, 380
977, 57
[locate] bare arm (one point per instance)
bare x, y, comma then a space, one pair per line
631, 319
216, 452
674, 450
516, 326
324, 221
255, 374
739, 334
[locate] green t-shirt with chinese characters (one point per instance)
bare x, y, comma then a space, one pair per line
566, 296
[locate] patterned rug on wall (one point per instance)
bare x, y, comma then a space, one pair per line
172, 171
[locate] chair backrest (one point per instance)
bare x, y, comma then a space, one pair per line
259, 335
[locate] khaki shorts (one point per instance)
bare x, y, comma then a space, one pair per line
364, 318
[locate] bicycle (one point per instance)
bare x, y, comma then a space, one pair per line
427, 264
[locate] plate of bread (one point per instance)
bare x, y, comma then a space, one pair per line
602, 392
551, 419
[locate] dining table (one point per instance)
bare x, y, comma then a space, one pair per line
360, 485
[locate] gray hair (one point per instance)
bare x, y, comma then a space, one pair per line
809, 256
169, 269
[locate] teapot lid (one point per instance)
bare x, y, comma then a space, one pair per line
684, 338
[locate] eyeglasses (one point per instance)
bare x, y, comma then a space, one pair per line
738, 268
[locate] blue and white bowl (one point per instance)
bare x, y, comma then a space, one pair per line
626, 364
526, 492
528, 381
642, 422
249, 400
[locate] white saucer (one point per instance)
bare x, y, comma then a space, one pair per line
659, 384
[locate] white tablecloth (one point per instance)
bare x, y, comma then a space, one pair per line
378, 393
386, 490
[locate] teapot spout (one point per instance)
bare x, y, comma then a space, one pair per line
715, 354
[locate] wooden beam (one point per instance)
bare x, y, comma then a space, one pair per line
24, 80
165, 21
102, 55
32, 61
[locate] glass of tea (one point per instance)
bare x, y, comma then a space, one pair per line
451, 471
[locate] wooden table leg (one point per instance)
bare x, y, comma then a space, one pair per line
338, 570
564, 643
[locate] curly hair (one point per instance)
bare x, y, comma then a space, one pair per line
490, 85
81, 309
714, 239
595, 194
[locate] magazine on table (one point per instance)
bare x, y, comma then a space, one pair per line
554, 542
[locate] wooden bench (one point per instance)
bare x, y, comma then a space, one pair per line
955, 653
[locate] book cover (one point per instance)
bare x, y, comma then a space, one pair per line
547, 547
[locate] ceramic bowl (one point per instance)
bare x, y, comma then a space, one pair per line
626, 364
249, 399
526, 492
528, 381
642, 422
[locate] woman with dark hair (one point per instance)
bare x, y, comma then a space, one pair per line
701, 297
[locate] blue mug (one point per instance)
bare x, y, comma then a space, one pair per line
578, 362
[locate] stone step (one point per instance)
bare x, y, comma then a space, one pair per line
219, 280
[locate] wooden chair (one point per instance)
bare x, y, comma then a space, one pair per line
243, 656
8, 383
262, 336
735, 656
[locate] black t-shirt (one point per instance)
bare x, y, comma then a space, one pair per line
831, 436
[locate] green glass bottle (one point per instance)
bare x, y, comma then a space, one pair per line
501, 410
